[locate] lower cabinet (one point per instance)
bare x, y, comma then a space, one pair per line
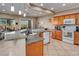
34, 49
58, 35
53, 34
76, 38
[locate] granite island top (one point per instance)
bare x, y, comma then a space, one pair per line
32, 39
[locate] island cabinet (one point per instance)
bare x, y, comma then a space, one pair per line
58, 35
61, 20
76, 38
77, 19
35, 49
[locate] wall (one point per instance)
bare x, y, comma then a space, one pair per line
44, 22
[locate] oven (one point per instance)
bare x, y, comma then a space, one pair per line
68, 36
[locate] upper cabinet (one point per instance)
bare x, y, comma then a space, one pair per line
73, 16
67, 16
61, 20
55, 21
77, 19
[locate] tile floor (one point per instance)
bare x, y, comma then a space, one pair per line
55, 48
12, 48
59, 48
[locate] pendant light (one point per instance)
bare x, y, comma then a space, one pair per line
12, 8
24, 15
20, 12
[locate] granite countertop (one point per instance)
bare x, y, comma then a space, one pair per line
32, 39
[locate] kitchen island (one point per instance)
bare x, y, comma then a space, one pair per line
34, 46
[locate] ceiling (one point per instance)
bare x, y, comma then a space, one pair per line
24, 7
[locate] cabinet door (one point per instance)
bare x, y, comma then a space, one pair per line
72, 16
56, 21
67, 16
61, 20
77, 19
58, 35
76, 38
53, 35
35, 49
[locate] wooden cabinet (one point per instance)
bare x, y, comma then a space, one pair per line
76, 38
66, 16
77, 19
53, 34
55, 21
73, 16
58, 34
34, 49
61, 20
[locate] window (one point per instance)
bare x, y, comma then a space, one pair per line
25, 24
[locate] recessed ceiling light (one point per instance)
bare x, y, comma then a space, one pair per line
3, 4
25, 9
24, 15
64, 4
40, 12
20, 12
41, 22
3, 10
52, 8
12, 8
41, 4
